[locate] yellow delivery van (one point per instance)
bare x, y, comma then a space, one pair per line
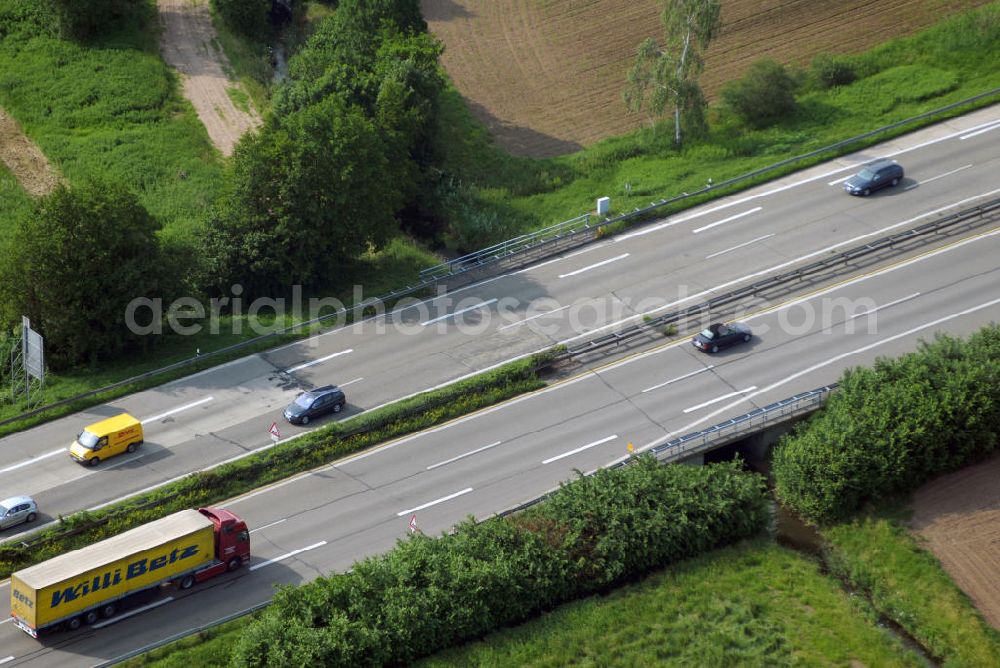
107, 438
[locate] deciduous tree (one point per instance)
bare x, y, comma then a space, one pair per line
667, 76
307, 195
73, 267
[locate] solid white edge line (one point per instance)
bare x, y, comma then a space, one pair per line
679, 378
287, 555
33, 460
782, 265
718, 399
580, 449
406, 439
467, 454
492, 409
990, 126
595, 265
319, 360
132, 613
452, 315
268, 525
176, 410
687, 428
434, 502
739, 246
892, 303
726, 220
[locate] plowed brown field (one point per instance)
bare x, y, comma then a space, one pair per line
959, 517
546, 76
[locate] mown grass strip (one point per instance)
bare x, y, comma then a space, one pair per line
286, 459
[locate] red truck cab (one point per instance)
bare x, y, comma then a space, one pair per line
232, 543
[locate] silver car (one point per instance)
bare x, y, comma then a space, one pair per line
17, 509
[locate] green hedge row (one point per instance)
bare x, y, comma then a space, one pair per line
428, 593
892, 426
314, 449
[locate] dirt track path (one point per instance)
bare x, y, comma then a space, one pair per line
24, 159
187, 46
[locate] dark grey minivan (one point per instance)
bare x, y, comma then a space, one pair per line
875, 176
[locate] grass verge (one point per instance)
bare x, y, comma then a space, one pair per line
396, 265
877, 555
210, 648
281, 461
946, 63
750, 604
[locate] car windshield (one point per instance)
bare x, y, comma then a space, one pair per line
866, 174
708, 334
303, 401
87, 439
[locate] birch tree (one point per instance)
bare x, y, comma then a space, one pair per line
667, 76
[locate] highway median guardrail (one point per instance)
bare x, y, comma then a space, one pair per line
974, 215
583, 228
506, 255
284, 459
719, 434
775, 413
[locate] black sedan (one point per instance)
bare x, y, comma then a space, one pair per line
717, 336
314, 403
875, 176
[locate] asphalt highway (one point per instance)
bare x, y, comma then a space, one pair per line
225, 412
325, 520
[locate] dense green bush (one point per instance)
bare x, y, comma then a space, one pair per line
27, 18
764, 96
73, 267
890, 427
427, 594
294, 456
342, 155
830, 70
86, 19
248, 17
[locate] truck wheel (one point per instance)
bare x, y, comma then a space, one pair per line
234, 564
90, 616
94, 461
73, 624
108, 610
187, 582
132, 447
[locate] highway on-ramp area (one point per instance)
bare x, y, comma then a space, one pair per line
323, 520
225, 412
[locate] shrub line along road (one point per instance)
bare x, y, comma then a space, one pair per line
325, 520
